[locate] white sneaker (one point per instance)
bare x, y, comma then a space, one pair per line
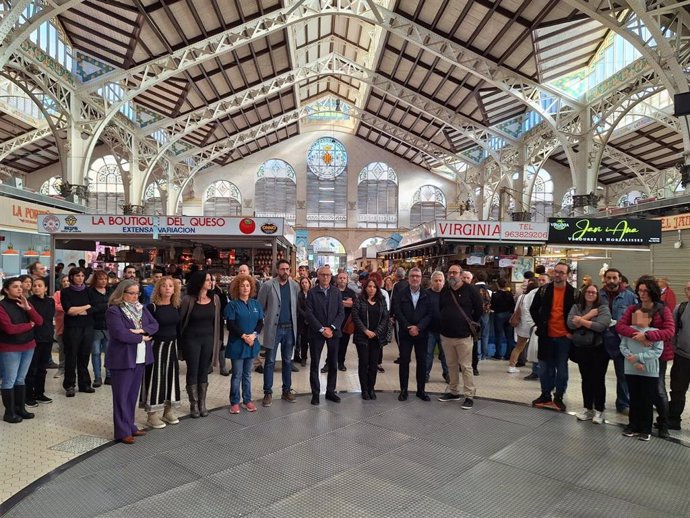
585, 415
513, 370
598, 418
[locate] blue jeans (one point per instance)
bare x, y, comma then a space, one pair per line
503, 329
485, 321
99, 346
553, 371
14, 367
241, 373
286, 339
434, 340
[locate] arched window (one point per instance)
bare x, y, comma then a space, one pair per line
51, 187
153, 200
377, 197
327, 184
222, 198
541, 203
428, 204
328, 251
106, 194
275, 190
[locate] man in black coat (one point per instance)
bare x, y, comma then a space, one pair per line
325, 316
549, 310
413, 311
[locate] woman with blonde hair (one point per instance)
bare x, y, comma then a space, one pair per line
161, 388
245, 319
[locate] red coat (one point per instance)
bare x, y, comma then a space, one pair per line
668, 297
662, 321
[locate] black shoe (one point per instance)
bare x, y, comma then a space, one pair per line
107, 381
332, 396
531, 376
365, 396
97, 383
342, 367
69, 392
224, 372
31, 403
628, 431
259, 369
372, 394
475, 372
324, 369
558, 401
88, 389
43, 399
542, 400
294, 367
446, 377
315, 399
397, 360
496, 358
673, 425
467, 404
663, 432
520, 364
423, 396
449, 397
380, 368
403, 395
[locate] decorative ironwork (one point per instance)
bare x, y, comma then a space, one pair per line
429, 193
521, 216
129, 209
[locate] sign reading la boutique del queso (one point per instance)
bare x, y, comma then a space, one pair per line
159, 225
604, 231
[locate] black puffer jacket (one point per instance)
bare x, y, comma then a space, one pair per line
359, 316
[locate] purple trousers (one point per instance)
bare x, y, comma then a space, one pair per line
126, 384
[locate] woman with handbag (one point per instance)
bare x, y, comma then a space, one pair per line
524, 324
589, 319
503, 306
370, 316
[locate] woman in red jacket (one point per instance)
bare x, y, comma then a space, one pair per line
17, 344
649, 295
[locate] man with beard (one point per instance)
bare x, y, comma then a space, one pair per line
618, 298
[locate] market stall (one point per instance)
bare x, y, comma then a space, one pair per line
216, 243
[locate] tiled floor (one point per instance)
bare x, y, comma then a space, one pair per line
67, 428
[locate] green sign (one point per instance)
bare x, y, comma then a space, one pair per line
604, 231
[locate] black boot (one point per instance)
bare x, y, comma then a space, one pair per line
10, 413
193, 393
20, 401
203, 387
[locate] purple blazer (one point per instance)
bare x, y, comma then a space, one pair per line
122, 347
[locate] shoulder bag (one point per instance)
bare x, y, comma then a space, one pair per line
475, 327
516, 317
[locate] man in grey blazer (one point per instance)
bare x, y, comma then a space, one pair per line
279, 300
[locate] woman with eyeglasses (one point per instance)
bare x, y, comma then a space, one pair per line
589, 319
649, 294
130, 327
200, 328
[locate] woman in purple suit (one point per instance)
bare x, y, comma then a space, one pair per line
130, 326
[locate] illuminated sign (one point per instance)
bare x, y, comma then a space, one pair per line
604, 231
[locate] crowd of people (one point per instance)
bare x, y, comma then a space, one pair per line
144, 331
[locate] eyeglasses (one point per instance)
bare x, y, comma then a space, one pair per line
590, 292
131, 292
453, 272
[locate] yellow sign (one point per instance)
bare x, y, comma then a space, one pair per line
677, 222
23, 215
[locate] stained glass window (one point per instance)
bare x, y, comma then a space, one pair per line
327, 184
428, 204
222, 198
377, 197
275, 190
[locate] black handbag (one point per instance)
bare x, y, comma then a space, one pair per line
583, 337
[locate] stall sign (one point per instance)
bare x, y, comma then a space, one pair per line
604, 231
677, 222
470, 230
22, 214
101, 224
524, 232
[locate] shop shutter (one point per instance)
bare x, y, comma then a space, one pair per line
671, 262
631, 264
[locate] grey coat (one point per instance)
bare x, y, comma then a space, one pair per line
269, 298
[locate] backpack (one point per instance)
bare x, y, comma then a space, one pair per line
486, 298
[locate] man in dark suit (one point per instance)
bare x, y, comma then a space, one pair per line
325, 316
413, 311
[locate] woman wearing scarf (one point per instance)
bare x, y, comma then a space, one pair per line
130, 326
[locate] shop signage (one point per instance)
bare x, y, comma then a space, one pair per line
677, 222
604, 231
161, 225
23, 215
495, 231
